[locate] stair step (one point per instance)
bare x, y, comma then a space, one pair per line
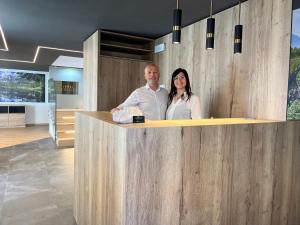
65, 142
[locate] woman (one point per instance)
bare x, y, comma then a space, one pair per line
183, 104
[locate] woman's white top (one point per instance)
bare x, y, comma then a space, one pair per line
184, 109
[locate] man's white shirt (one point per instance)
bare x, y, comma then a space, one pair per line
153, 104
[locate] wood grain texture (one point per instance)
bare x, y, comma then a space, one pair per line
252, 84
231, 174
100, 175
117, 79
65, 127
16, 120
3, 120
17, 136
108, 80
91, 62
107, 117
10, 119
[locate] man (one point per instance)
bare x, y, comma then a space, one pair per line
150, 99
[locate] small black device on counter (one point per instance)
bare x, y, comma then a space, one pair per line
138, 119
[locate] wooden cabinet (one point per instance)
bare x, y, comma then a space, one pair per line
113, 67
12, 116
3, 120
126, 46
16, 120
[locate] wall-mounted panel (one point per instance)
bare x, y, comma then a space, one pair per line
21, 86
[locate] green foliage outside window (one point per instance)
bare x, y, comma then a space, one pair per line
293, 111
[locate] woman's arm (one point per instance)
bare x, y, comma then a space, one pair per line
195, 107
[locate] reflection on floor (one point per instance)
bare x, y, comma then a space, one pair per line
36, 184
16, 136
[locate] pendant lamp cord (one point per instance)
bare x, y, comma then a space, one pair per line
239, 12
177, 5
211, 6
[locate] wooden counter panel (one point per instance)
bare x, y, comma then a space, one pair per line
214, 175
245, 174
99, 172
154, 176
107, 117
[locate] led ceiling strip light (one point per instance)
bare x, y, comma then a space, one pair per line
36, 52
4, 40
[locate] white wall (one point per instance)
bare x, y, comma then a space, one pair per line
36, 113
69, 101
68, 74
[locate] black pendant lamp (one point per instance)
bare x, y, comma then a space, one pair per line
238, 33
210, 29
176, 25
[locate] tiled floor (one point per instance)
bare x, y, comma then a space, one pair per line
15, 136
36, 184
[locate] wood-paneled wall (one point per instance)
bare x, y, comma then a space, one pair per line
91, 56
108, 80
251, 84
118, 77
226, 175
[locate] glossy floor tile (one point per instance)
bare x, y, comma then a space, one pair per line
36, 184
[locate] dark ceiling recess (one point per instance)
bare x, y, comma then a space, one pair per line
296, 4
65, 24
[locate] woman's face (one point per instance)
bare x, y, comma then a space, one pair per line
180, 81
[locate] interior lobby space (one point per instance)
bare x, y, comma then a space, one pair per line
150, 112
36, 179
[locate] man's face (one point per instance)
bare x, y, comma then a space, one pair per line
152, 75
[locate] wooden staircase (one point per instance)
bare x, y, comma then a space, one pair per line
65, 127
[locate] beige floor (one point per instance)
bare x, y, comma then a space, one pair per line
36, 179
15, 136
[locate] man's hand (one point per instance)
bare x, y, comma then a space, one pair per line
114, 110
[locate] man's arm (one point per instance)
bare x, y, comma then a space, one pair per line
114, 110
132, 100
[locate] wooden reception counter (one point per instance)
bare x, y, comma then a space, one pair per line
193, 172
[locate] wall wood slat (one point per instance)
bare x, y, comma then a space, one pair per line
91, 59
117, 79
252, 84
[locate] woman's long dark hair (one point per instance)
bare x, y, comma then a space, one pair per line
173, 91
